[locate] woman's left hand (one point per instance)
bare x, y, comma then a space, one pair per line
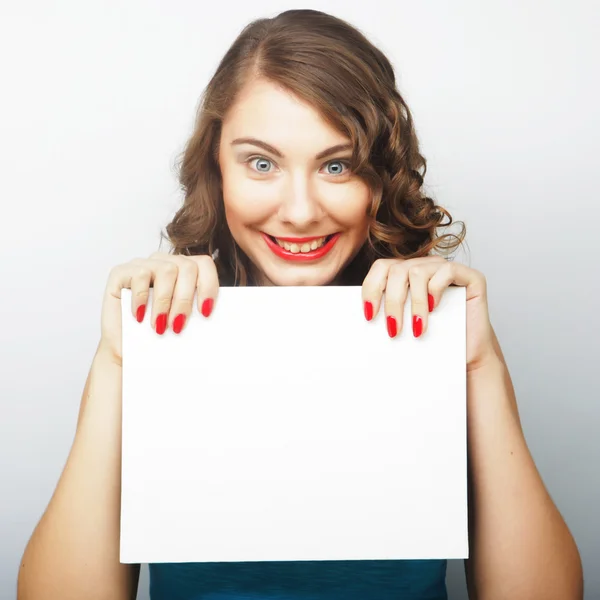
427, 278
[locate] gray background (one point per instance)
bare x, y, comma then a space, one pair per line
98, 99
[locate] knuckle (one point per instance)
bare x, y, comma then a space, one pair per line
143, 273
142, 293
184, 301
482, 281
163, 300
118, 277
398, 269
170, 269
201, 261
415, 271
189, 268
449, 268
381, 265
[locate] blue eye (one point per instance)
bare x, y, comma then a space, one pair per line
262, 164
339, 165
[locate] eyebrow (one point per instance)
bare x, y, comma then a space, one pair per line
272, 150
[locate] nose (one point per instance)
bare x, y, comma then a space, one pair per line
300, 206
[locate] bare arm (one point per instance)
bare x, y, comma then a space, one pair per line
74, 550
73, 553
520, 545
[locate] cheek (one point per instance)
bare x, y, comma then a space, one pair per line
348, 205
246, 201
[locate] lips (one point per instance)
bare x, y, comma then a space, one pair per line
303, 245
294, 246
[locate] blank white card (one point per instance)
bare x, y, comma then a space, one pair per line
287, 427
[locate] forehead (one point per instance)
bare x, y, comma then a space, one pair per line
266, 110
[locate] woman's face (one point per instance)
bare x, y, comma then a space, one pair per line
291, 203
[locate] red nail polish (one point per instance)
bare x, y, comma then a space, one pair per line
392, 326
178, 323
161, 323
207, 307
368, 311
417, 325
431, 302
141, 311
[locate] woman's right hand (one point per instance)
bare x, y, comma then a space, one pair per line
175, 279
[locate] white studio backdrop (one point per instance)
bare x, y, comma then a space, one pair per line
97, 101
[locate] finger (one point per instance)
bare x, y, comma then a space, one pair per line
374, 285
207, 284
131, 276
458, 274
418, 278
141, 279
165, 276
396, 291
183, 294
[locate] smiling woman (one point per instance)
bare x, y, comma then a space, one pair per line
303, 248
303, 134
304, 169
289, 202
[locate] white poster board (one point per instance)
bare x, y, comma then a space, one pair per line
287, 427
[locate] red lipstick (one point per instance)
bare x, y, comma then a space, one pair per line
300, 256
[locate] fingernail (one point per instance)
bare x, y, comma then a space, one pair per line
417, 325
141, 311
178, 323
161, 323
431, 302
368, 311
392, 326
207, 307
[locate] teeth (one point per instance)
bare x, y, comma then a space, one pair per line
306, 247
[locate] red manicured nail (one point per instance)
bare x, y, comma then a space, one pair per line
392, 326
417, 325
207, 307
431, 302
368, 311
161, 323
178, 323
141, 311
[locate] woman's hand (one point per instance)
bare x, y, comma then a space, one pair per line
175, 279
427, 278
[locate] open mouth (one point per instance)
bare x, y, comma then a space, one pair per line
301, 249
300, 245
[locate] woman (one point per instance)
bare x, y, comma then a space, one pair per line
304, 169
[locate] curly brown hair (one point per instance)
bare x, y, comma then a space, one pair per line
331, 65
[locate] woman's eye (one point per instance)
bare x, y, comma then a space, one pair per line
264, 165
261, 164
336, 167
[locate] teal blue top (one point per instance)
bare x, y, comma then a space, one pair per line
306, 580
